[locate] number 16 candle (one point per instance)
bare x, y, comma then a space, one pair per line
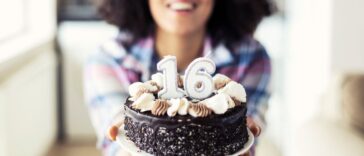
198, 82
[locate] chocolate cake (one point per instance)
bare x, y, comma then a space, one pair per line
215, 125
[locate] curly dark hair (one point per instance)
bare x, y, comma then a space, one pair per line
231, 20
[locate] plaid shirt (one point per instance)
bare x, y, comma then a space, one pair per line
110, 71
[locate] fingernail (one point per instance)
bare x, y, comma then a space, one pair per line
258, 131
113, 132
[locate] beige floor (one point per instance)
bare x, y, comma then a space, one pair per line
265, 148
74, 149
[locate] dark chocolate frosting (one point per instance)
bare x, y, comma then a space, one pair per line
231, 116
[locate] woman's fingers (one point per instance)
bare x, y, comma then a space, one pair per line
113, 130
246, 154
254, 128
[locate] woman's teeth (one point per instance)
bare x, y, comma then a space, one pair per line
181, 6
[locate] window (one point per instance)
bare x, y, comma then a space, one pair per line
25, 24
77, 10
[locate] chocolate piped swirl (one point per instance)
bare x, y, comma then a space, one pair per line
160, 107
199, 109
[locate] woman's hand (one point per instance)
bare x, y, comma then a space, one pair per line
254, 128
113, 130
112, 133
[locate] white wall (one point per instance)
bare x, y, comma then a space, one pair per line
27, 78
324, 37
271, 34
2, 129
28, 104
348, 36
77, 41
307, 64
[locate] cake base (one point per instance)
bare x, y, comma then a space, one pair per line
130, 147
218, 135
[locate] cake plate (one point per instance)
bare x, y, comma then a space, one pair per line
130, 147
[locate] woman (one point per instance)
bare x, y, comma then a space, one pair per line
187, 29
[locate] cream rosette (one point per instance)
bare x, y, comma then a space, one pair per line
228, 94
179, 106
220, 81
138, 88
144, 103
217, 103
234, 90
158, 79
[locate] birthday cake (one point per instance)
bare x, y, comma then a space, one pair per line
194, 114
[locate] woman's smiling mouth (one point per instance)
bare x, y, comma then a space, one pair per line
182, 6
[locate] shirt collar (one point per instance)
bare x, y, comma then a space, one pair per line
219, 54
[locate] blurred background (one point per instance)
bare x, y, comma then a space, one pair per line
317, 48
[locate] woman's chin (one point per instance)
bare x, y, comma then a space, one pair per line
182, 31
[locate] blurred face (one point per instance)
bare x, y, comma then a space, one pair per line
181, 17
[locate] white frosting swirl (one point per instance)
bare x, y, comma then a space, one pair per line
134, 88
175, 105
179, 105
144, 100
219, 78
137, 86
230, 101
158, 78
183, 109
234, 90
144, 103
217, 103
150, 87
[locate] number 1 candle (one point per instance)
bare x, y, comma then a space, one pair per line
169, 68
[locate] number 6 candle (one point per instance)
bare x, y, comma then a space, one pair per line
199, 72
198, 83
